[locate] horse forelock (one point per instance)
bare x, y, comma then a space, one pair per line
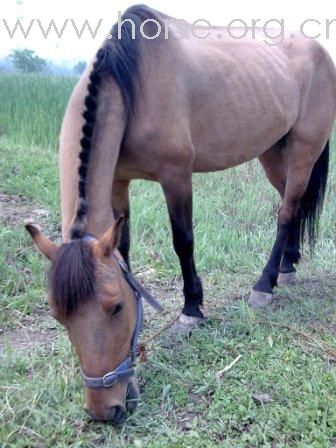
72, 277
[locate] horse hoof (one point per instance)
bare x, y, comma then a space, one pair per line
286, 279
259, 299
186, 324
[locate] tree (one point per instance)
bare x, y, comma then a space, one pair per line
26, 61
79, 67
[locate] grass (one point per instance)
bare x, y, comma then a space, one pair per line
182, 402
32, 107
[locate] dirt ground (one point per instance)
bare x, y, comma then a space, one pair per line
14, 209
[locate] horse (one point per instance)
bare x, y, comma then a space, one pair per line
161, 108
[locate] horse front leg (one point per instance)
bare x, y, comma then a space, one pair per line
179, 202
121, 207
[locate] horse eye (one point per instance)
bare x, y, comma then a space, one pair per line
117, 309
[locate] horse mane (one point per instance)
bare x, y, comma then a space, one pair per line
72, 276
118, 58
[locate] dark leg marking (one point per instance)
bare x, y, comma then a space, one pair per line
180, 213
262, 291
287, 274
292, 250
125, 241
183, 241
120, 204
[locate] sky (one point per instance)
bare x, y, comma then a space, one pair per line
69, 48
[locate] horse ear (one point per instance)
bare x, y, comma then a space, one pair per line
44, 245
110, 240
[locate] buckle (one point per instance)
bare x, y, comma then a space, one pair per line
110, 379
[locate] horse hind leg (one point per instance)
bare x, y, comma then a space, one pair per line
303, 197
291, 256
275, 165
307, 168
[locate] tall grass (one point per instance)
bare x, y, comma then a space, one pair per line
32, 108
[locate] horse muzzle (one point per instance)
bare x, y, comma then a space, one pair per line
117, 413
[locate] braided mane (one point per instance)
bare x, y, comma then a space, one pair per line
118, 58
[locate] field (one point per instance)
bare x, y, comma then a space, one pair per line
282, 390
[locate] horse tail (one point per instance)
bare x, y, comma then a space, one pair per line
119, 58
311, 204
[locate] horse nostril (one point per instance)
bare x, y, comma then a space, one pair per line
117, 415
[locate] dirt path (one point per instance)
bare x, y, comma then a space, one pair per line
14, 209
23, 339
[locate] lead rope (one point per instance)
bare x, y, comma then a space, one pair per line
142, 349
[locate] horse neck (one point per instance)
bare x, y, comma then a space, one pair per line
108, 133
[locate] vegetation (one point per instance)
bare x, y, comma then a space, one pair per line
281, 392
80, 67
26, 61
32, 107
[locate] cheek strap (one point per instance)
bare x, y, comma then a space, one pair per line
125, 369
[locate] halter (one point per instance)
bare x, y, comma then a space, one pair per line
125, 369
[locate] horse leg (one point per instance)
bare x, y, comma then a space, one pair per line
301, 160
120, 204
178, 196
274, 162
287, 274
261, 294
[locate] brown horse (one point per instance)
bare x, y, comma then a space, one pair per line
161, 109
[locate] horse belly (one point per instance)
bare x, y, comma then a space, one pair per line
228, 143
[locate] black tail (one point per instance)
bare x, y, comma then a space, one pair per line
312, 202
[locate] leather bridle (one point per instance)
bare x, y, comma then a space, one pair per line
126, 368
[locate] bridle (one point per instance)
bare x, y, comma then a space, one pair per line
126, 368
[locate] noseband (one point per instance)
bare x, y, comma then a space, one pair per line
125, 369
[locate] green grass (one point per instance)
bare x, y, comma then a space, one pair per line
182, 402
32, 107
